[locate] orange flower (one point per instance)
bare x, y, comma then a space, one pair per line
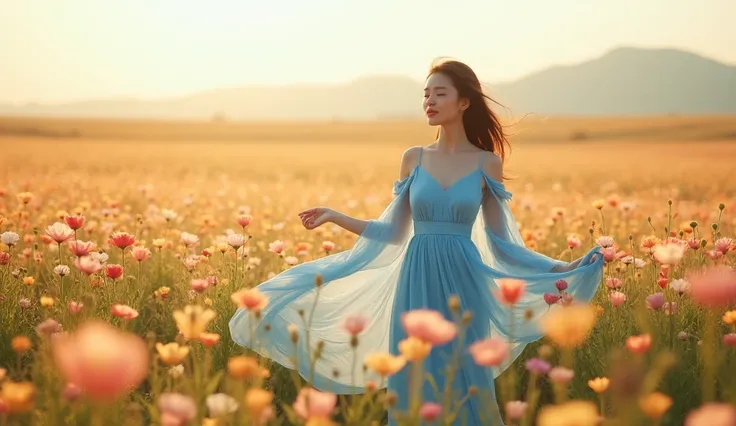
655, 404
572, 413
511, 290
385, 364
21, 344
639, 344
245, 367
599, 384
18, 397
251, 299
568, 327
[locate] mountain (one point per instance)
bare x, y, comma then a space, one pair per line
623, 81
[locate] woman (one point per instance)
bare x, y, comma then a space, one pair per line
448, 231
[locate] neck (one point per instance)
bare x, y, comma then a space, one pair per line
452, 137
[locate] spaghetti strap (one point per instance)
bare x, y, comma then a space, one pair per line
419, 160
480, 160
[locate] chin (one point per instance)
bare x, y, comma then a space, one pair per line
433, 121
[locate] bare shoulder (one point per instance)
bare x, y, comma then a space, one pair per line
409, 160
493, 165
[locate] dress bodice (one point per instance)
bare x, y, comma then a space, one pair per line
459, 203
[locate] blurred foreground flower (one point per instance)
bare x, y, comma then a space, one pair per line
193, 320
18, 397
573, 413
568, 327
101, 360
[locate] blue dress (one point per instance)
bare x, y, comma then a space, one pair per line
429, 243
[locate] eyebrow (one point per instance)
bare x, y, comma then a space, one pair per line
438, 88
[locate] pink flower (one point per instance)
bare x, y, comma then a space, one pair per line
316, 405
715, 287
75, 307
244, 220
122, 240
140, 253
617, 298
4, 258
113, 271
573, 242
60, 232
489, 352
655, 301
560, 374
200, 285
605, 241
429, 326
276, 246
88, 265
354, 324
100, 359
515, 409
712, 414
723, 245
71, 392
729, 339
639, 344
693, 243
561, 285
551, 298
251, 299
328, 246
609, 254
123, 311
74, 222
511, 290
614, 283
176, 409
81, 248
429, 411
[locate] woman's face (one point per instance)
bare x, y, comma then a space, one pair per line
442, 104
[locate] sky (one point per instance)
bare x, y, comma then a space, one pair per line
55, 51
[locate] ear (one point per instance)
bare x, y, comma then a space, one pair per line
464, 104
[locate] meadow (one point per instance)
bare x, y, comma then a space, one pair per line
132, 238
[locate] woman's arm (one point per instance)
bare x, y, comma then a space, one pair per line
314, 217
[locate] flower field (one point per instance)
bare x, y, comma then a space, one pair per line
123, 260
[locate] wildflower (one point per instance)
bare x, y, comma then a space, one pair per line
561, 285
276, 246
669, 253
715, 287
639, 344
384, 364
414, 349
220, 405
511, 290
538, 366
140, 253
235, 240
429, 411
251, 299
551, 298
258, 404
560, 374
599, 384
176, 408
655, 301
490, 352
712, 414
311, 403
328, 246
122, 240
81, 248
576, 412
617, 298
74, 222
354, 324
680, 286
172, 353
21, 344
9, 238
88, 265
192, 320
429, 326
515, 409
570, 326
17, 397
245, 367
113, 271
605, 241
244, 220
102, 360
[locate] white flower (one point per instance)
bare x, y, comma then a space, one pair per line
9, 238
680, 286
604, 241
669, 254
235, 240
176, 371
221, 405
100, 257
61, 270
189, 239
168, 214
639, 263
291, 260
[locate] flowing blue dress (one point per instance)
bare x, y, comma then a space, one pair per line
428, 244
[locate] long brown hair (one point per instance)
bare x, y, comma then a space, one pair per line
482, 126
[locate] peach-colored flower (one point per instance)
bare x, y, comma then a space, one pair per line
617, 298
561, 374
724, 244
101, 360
59, 232
276, 246
571, 413
354, 324
599, 384
569, 327
81, 248
515, 409
574, 242
209, 339
122, 240
245, 367
172, 353
328, 246
123, 311
189, 240
714, 287
311, 403
489, 352
605, 241
429, 326
88, 265
74, 222
384, 364
712, 414
17, 397
257, 403
140, 253
244, 220
250, 298
199, 285
414, 349
639, 344
176, 409
429, 411
114, 271
192, 320
511, 290
613, 283
730, 317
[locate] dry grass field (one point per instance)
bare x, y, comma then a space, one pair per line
122, 176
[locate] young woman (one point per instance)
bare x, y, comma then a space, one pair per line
447, 232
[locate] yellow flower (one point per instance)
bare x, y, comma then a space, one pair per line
257, 400
730, 317
572, 413
246, 367
208, 301
172, 353
29, 280
159, 242
414, 349
599, 203
18, 397
599, 384
384, 363
568, 327
46, 301
193, 320
655, 404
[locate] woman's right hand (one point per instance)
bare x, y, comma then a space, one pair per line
314, 217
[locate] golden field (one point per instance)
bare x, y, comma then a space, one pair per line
121, 175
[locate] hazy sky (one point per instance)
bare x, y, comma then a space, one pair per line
62, 50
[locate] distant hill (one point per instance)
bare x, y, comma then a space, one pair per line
623, 81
